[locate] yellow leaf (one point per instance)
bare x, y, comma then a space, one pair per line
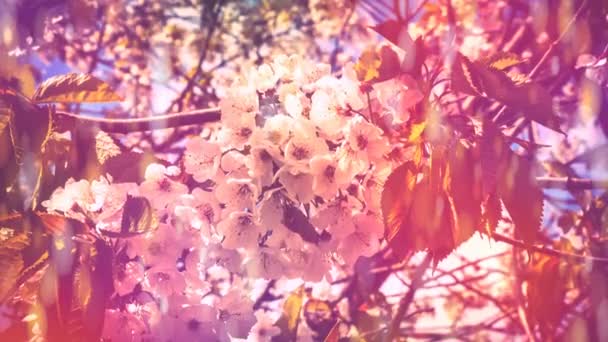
292, 308
502, 60
367, 66
416, 130
75, 88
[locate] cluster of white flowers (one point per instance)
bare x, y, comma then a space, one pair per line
292, 185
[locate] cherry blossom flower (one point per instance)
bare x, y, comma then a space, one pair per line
398, 95
373, 184
164, 281
349, 92
297, 184
302, 147
311, 72
364, 241
201, 158
123, 326
328, 176
241, 103
201, 259
198, 323
112, 196
128, 275
159, 188
237, 194
237, 135
336, 217
366, 141
264, 328
236, 312
239, 230
307, 261
264, 78
200, 209
267, 263
74, 192
276, 131
161, 247
326, 112
296, 104
287, 67
271, 212
233, 165
261, 165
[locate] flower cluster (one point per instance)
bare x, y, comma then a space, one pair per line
288, 187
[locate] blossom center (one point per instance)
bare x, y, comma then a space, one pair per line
193, 325
224, 315
164, 185
244, 190
361, 142
245, 220
245, 132
155, 248
329, 173
300, 153
207, 212
265, 156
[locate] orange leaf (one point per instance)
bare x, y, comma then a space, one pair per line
397, 199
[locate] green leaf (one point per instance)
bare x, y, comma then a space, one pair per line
75, 88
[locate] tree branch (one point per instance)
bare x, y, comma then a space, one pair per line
547, 251
64, 121
409, 297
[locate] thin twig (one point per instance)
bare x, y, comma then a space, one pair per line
210, 31
409, 297
547, 251
569, 183
545, 56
